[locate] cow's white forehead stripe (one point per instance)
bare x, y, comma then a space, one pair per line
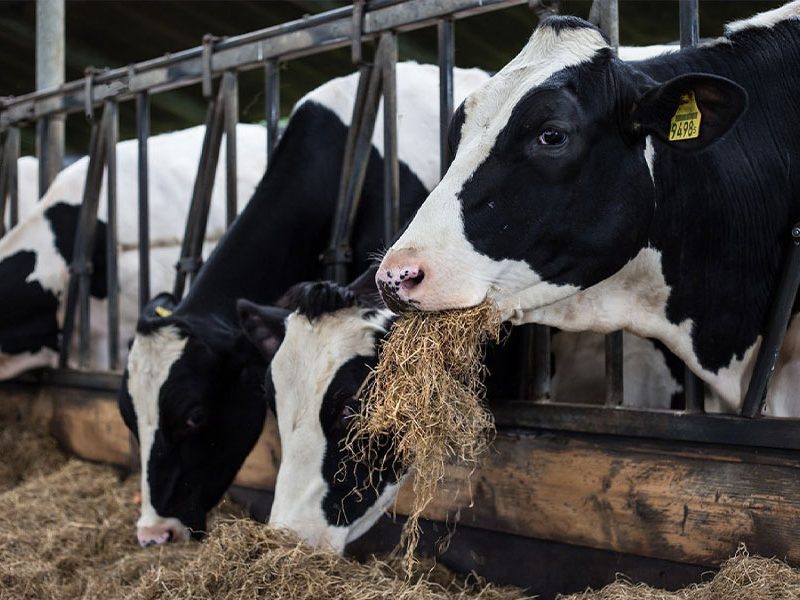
149, 361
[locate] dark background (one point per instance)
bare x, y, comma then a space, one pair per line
113, 33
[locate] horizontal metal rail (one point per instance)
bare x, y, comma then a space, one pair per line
766, 432
312, 35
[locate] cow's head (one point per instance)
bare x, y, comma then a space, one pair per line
551, 189
327, 346
191, 394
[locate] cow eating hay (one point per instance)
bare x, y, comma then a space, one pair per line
427, 397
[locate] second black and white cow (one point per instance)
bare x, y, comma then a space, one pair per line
657, 197
193, 387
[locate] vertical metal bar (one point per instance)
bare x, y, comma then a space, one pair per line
43, 153
112, 272
50, 74
231, 109
272, 103
689, 23
614, 390
391, 167
142, 133
693, 387
605, 13
3, 184
78, 288
192, 247
446, 61
779, 315
12, 181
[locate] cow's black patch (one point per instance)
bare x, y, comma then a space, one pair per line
560, 23
353, 487
63, 220
28, 319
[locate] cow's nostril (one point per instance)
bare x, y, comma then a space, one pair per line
409, 283
170, 535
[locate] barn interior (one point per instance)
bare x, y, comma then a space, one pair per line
566, 499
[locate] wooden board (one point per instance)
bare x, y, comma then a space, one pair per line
684, 502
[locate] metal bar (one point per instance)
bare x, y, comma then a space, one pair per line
303, 37
192, 248
693, 391
446, 61
656, 424
12, 182
49, 74
142, 133
231, 109
693, 386
78, 288
391, 166
112, 272
605, 14
339, 253
183, 267
272, 106
3, 186
779, 315
43, 153
614, 380
689, 23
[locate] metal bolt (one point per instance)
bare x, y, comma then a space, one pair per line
796, 232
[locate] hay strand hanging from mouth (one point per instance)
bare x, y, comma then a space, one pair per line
426, 396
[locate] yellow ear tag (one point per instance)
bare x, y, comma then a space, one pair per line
685, 123
163, 312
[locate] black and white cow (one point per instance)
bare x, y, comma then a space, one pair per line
568, 204
34, 255
193, 385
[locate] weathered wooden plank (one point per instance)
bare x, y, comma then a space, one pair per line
680, 504
683, 502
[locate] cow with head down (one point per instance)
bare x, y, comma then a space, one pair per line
656, 197
192, 391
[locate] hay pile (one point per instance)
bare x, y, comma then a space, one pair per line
69, 533
25, 454
427, 397
742, 577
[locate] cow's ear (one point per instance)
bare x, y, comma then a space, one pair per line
689, 112
365, 289
160, 307
263, 325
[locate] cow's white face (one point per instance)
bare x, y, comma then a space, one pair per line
315, 375
149, 362
551, 189
454, 273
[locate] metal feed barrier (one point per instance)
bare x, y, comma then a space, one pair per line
381, 21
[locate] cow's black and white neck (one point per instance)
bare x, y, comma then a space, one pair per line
569, 205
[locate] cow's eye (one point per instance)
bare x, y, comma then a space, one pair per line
551, 137
196, 420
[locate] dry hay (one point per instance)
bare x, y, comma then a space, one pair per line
70, 534
426, 396
742, 577
242, 559
25, 454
